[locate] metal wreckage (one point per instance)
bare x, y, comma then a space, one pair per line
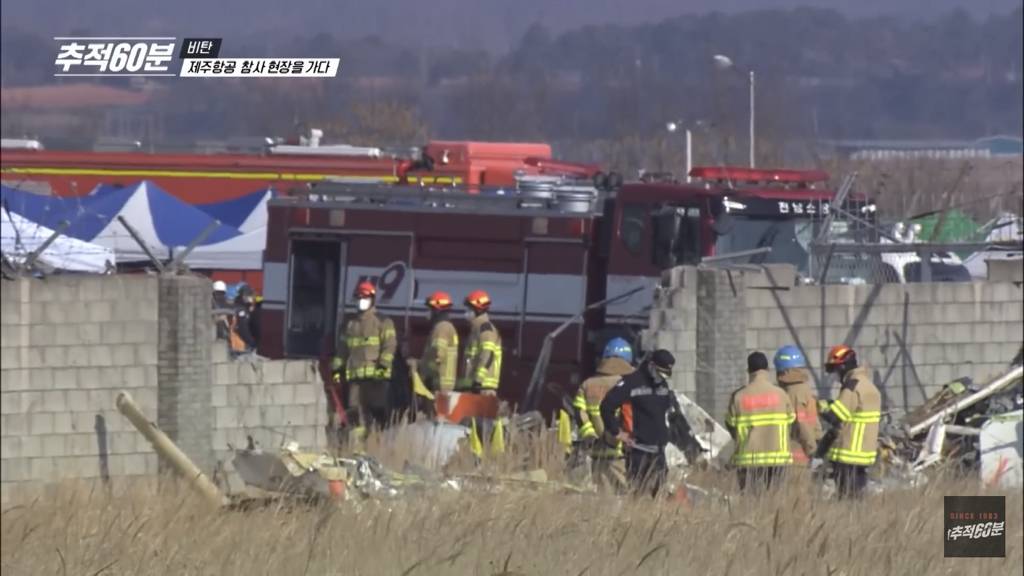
971, 429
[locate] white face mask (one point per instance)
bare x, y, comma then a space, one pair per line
470, 314
364, 304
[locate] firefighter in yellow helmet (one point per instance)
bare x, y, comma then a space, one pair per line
438, 366
365, 356
607, 460
759, 417
482, 359
857, 414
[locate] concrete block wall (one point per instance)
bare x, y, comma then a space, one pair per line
185, 340
721, 338
952, 330
272, 401
69, 344
673, 325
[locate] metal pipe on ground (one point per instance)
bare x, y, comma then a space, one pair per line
967, 401
169, 452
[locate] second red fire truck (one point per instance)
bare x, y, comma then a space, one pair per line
544, 249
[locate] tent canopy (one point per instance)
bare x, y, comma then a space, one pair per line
163, 222
21, 237
247, 213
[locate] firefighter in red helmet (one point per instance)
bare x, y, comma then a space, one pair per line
482, 359
440, 362
365, 355
482, 371
855, 414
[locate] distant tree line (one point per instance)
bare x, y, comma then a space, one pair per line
820, 75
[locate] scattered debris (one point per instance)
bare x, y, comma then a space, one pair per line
973, 429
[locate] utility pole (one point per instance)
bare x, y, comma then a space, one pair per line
752, 124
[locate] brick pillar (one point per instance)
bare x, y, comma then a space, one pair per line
721, 338
184, 397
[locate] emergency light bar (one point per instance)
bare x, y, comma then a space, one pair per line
758, 176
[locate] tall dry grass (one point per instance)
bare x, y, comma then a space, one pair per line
76, 530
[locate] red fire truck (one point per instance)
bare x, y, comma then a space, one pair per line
205, 178
544, 249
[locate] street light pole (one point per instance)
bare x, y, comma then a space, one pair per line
752, 125
723, 62
689, 153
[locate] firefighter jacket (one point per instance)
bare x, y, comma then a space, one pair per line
649, 405
759, 417
587, 404
239, 331
806, 432
368, 347
483, 354
441, 356
858, 411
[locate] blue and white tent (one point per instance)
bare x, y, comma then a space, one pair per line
163, 222
20, 237
247, 213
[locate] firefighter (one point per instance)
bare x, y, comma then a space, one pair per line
653, 406
607, 461
441, 356
793, 377
856, 414
221, 306
240, 336
482, 371
482, 359
759, 418
365, 354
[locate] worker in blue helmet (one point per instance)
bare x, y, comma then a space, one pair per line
607, 464
793, 377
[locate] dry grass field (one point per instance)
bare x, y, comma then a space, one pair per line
78, 531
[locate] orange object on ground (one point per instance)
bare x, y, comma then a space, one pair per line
456, 407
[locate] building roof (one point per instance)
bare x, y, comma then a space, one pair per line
71, 96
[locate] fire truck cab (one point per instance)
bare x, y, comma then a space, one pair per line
544, 249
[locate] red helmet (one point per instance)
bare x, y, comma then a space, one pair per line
838, 356
478, 300
366, 290
439, 301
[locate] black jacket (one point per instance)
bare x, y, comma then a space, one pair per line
651, 404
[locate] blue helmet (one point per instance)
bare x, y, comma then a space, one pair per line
618, 348
789, 357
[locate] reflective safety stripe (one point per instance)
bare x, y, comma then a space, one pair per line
744, 423
579, 402
767, 419
841, 411
594, 409
487, 376
587, 430
362, 342
763, 459
867, 417
851, 456
855, 453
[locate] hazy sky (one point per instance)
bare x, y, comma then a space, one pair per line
490, 24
